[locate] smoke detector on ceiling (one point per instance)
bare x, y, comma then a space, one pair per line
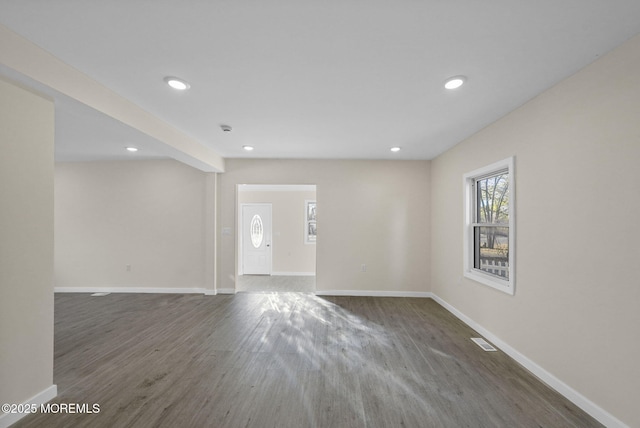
225, 128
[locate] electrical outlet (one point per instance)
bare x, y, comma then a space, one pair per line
363, 268
128, 268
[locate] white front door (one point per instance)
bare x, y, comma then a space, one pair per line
256, 239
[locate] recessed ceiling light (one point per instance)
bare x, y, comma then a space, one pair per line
455, 82
248, 148
176, 83
132, 149
395, 149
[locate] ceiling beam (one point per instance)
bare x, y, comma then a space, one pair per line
34, 62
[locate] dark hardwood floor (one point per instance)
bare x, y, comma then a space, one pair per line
285, 360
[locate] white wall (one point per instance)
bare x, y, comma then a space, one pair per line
291, 254
151, 215
575, 310
369, 212
155, 216
26, 246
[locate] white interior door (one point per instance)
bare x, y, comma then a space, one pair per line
256, 239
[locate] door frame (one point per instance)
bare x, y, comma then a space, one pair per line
240, 235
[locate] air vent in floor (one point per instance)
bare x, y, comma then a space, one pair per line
99, 294
483, 344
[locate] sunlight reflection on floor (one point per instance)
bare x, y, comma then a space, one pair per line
353, 344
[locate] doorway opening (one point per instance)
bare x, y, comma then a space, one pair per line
276, 238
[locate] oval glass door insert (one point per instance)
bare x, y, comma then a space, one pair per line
257, 231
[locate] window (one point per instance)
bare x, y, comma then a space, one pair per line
257, 231
489, 232
310, 231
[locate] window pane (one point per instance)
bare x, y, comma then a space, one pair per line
491, 250
257, 231
492, 199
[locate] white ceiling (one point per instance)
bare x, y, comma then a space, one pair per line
314, 79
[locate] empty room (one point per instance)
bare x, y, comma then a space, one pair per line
319, 214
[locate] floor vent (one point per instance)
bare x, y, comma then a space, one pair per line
99, 294
483, 344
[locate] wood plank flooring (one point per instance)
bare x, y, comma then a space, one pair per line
285, 360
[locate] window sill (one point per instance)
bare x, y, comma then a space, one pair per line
491, 281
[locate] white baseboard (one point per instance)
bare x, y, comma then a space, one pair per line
205, 291
293, 274
7, 419
130, 290
371, 293
571, 394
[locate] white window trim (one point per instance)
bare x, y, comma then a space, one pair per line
507, 286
